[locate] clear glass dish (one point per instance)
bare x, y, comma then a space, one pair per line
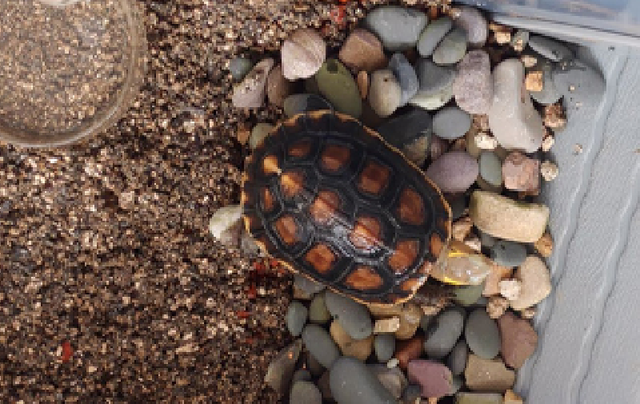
67, 71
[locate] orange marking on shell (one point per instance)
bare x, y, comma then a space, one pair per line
366, 233
267, 200
270, 165
364, 278
292, 183
321, 258
300, 149
405, 254
287, 229
334, 157
373, 178
411, 207
435, 245
411, 285
325, 206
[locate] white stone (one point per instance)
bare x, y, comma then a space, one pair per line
535, 280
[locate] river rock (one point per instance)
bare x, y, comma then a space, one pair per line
338, 86
454, 171
239, 67
352, 382
406, 76
320, 345
536, 283
508, 253
434, 378
521, 173
308, 286
296, 317
318, 312
451, 123
278, 87
409, 350
479, 398
352, 316
280, 370
444, 333
474, 24
467, 295
489, 375
302, 54
452, 48
473, 84
384, 345
457, 360
482, 334
549, 93
432, 35
384, 93
393, 379
305, 392
490, 169
250, 93
505, 218
410, 132
513, 120
436, 85
397, 27
550, 48
580, 84
519, 339
362, 50
356, 348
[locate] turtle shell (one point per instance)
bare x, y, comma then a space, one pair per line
332, 200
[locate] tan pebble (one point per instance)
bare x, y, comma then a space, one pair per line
302, 54
485, 141
481, 122
536, 283
529, 61
544, 245
363, 83
510, 288
461, 228
488, 375
510, 397
360, 349
547, 142
549, 170
491, 283
528, 313
534, 81
409, 321
521, 173
503, 37
386, 325
242, 134
474, 243
554, 116
497, 306
362, 50
459, 145
384, 92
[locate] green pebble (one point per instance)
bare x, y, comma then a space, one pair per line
338, 86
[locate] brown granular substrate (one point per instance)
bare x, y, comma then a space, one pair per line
111, 288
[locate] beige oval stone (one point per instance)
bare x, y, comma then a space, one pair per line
384, 92
535, 283
302, 54
250, 92
362, 50
386, 325
357, 348
505, 218
488, 375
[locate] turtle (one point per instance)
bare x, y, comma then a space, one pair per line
330, 199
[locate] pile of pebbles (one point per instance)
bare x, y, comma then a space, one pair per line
475, 104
